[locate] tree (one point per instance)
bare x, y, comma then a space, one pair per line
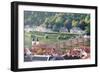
68, 24
59, 20
81, 24
47, 22
74, 23
65, 23
87, 29
87, 19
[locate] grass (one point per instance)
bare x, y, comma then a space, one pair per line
27, 40
51, 39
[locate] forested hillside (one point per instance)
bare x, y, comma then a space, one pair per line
55, 20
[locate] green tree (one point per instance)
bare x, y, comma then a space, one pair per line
87, 19
87, 29
74, 23
65, 23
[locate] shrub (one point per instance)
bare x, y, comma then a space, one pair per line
46, 36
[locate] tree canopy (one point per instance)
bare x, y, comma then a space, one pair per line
57, 20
